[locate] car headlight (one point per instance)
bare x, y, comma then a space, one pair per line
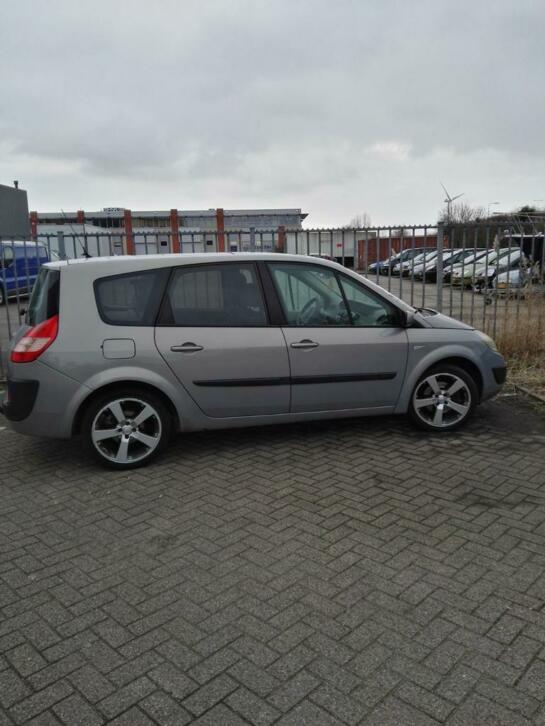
487, 340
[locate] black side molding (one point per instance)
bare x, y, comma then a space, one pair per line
295, 380
243, 382
343, 378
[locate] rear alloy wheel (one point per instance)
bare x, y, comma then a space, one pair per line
443, 399
126, 429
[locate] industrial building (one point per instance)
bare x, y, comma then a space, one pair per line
124, 230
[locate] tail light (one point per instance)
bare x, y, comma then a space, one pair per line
36, 341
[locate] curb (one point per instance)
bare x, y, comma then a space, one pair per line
532, 394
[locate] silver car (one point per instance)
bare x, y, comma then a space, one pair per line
127, 351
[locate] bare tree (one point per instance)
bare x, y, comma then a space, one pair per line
360, 221
462, 213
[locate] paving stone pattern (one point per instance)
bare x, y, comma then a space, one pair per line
354, 572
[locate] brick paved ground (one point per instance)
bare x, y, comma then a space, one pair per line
342, 573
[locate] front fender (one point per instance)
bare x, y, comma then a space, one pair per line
423, 354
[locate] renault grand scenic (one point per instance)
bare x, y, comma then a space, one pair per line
127, 351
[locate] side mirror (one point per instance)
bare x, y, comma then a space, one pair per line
408, 319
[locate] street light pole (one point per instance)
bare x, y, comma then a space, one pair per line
490, 204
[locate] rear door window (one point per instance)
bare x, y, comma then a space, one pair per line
132, 298
214, 295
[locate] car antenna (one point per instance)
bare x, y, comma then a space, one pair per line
83, 246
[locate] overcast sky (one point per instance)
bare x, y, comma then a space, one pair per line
335, 106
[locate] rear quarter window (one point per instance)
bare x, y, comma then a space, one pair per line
44, 301
132, 298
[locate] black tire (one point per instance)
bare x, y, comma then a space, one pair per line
2, 296
157, 426
467, 396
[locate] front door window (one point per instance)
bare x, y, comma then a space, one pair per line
310, 295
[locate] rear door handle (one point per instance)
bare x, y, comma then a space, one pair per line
186, 348
305, 344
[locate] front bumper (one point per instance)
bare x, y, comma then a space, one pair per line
494, 372
461, 281
500, 374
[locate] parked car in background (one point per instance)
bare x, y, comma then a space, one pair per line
466, 273
127, 351
472, 256
450, 258
19, 266
425, 268
383, 266
519, 282
509, 262
406, 268
388, 265
462, 257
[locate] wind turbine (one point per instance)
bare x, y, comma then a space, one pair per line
449, 200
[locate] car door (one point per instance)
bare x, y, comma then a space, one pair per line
346, 346
213, 332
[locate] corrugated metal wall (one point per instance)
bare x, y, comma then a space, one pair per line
14, 220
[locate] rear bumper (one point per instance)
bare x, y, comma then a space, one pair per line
19, 399
41, 401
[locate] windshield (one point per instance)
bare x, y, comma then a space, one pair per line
494, 256
474, 256
513, 252
428, 256
467, 255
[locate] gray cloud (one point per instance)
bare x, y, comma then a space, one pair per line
336, 106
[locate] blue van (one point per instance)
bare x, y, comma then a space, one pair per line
19, 266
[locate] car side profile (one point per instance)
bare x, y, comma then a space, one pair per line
127, 351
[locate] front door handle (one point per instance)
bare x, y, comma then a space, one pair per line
186, 348
305, 344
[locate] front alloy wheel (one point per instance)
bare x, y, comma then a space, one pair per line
443, 399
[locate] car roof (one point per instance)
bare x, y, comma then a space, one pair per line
109, 266
122, 263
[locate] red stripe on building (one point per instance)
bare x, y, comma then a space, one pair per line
34, 224
129, 237
281, 238
175, 230
220, 227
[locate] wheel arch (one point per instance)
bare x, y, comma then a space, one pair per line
467, 365
455, 357
134, 385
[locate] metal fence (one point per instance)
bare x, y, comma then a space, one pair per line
488, 275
